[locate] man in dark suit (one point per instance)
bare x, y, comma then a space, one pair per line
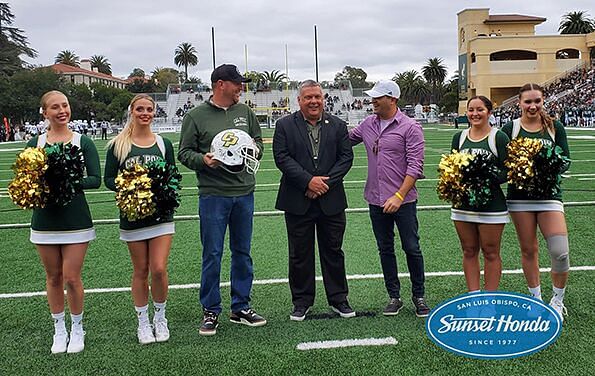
313, 151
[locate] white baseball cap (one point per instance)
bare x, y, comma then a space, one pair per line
384, 88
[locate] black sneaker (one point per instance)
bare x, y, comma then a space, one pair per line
299, 313
421, 308
210, 322
343, 309
247, 317
393, 307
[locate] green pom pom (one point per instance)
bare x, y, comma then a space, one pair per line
165, 185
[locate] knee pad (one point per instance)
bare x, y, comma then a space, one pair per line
558, 248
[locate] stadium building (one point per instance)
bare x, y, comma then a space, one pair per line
500, 53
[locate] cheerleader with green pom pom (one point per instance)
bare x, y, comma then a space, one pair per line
146, 223
480, 216
533, 205
62, 229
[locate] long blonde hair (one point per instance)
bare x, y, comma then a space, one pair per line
547, 122
122, 143
44, 102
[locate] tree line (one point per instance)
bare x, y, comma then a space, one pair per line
21, 84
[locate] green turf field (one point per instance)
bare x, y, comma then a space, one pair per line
110, 323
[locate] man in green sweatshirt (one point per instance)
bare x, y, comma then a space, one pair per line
225, 198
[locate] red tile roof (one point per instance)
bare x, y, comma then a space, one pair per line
63, 68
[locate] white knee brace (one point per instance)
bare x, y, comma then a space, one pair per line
558, 248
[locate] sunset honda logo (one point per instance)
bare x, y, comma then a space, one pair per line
493, 325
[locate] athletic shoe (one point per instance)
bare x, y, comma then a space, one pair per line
210, 322
247, 317
343, 309
161, 330
393, 307
299, 313
60, 342
145, 334
77, 340
559, 307
421, 308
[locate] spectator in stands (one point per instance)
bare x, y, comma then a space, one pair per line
547, 213
313, 198
492, 120
395, 146
225, 199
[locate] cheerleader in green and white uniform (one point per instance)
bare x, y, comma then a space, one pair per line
481, 228
149, 240
547, 213
61, 234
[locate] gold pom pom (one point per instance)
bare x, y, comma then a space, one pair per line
134, 196
449, 186
28, 189
519, 162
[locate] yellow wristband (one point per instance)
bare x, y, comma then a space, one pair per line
399, 196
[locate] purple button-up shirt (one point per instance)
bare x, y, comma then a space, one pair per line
394, 153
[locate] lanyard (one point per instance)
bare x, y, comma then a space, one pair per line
314, 140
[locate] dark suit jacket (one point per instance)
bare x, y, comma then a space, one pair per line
293, 156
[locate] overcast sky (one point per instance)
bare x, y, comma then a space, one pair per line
380, 36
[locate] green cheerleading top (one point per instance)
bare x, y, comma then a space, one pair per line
494, 145
150, 227
72, 223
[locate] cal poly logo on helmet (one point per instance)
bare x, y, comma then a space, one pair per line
493, 325
229, 139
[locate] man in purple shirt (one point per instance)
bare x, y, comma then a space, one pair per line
395, 147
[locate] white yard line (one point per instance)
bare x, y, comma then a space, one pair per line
335, 344
576, 175
279, 281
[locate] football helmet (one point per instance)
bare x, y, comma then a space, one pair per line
236, 150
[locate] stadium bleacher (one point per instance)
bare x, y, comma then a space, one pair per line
272, 103
569, 98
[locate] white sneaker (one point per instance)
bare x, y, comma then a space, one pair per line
60, 342
559, 307
161, 330
145, 335
77, 340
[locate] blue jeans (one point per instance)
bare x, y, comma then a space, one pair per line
216, 213
383, 226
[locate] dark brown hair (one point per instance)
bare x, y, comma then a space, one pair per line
546, 120
486, 101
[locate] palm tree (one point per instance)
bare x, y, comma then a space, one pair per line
435, 73
185, 55
576, 23
67, 57
101, 63
413, 87
273, 76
